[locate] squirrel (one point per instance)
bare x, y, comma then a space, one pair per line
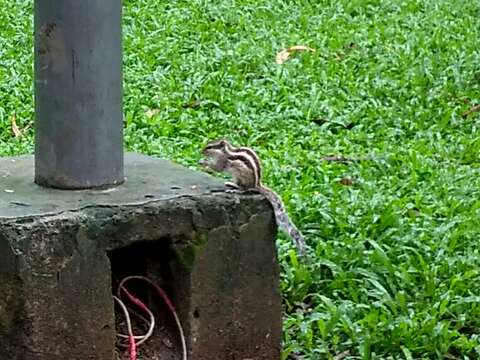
243, 164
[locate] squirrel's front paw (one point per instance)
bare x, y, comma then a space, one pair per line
231, 187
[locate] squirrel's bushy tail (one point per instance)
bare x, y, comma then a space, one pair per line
282, 218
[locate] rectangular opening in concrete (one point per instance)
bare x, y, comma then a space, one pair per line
154, 261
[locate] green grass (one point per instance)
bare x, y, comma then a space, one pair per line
395, 273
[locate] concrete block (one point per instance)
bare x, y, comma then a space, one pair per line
61, 251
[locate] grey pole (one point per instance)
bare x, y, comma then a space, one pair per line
78, 93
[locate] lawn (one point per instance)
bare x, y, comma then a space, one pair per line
392, 86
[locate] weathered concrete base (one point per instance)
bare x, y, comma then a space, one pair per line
216, 257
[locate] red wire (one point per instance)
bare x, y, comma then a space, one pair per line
131, 340
133, 347
133, 299
139, 303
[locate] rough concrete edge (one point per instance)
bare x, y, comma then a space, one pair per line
221, 194
25, 224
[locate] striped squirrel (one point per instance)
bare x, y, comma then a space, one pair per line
243, 164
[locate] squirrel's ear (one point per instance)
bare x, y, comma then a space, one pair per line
222, 142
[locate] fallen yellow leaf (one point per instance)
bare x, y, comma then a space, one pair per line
151, 113
300, 48
15, 129
284, 55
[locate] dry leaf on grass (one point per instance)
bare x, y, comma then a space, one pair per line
334, 158
151, 113
284, 55
344, 159
470, 111
347, 181
194, 104
17, 132
300, 48
15, 129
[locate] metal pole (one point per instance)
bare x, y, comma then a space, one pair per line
78, 93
